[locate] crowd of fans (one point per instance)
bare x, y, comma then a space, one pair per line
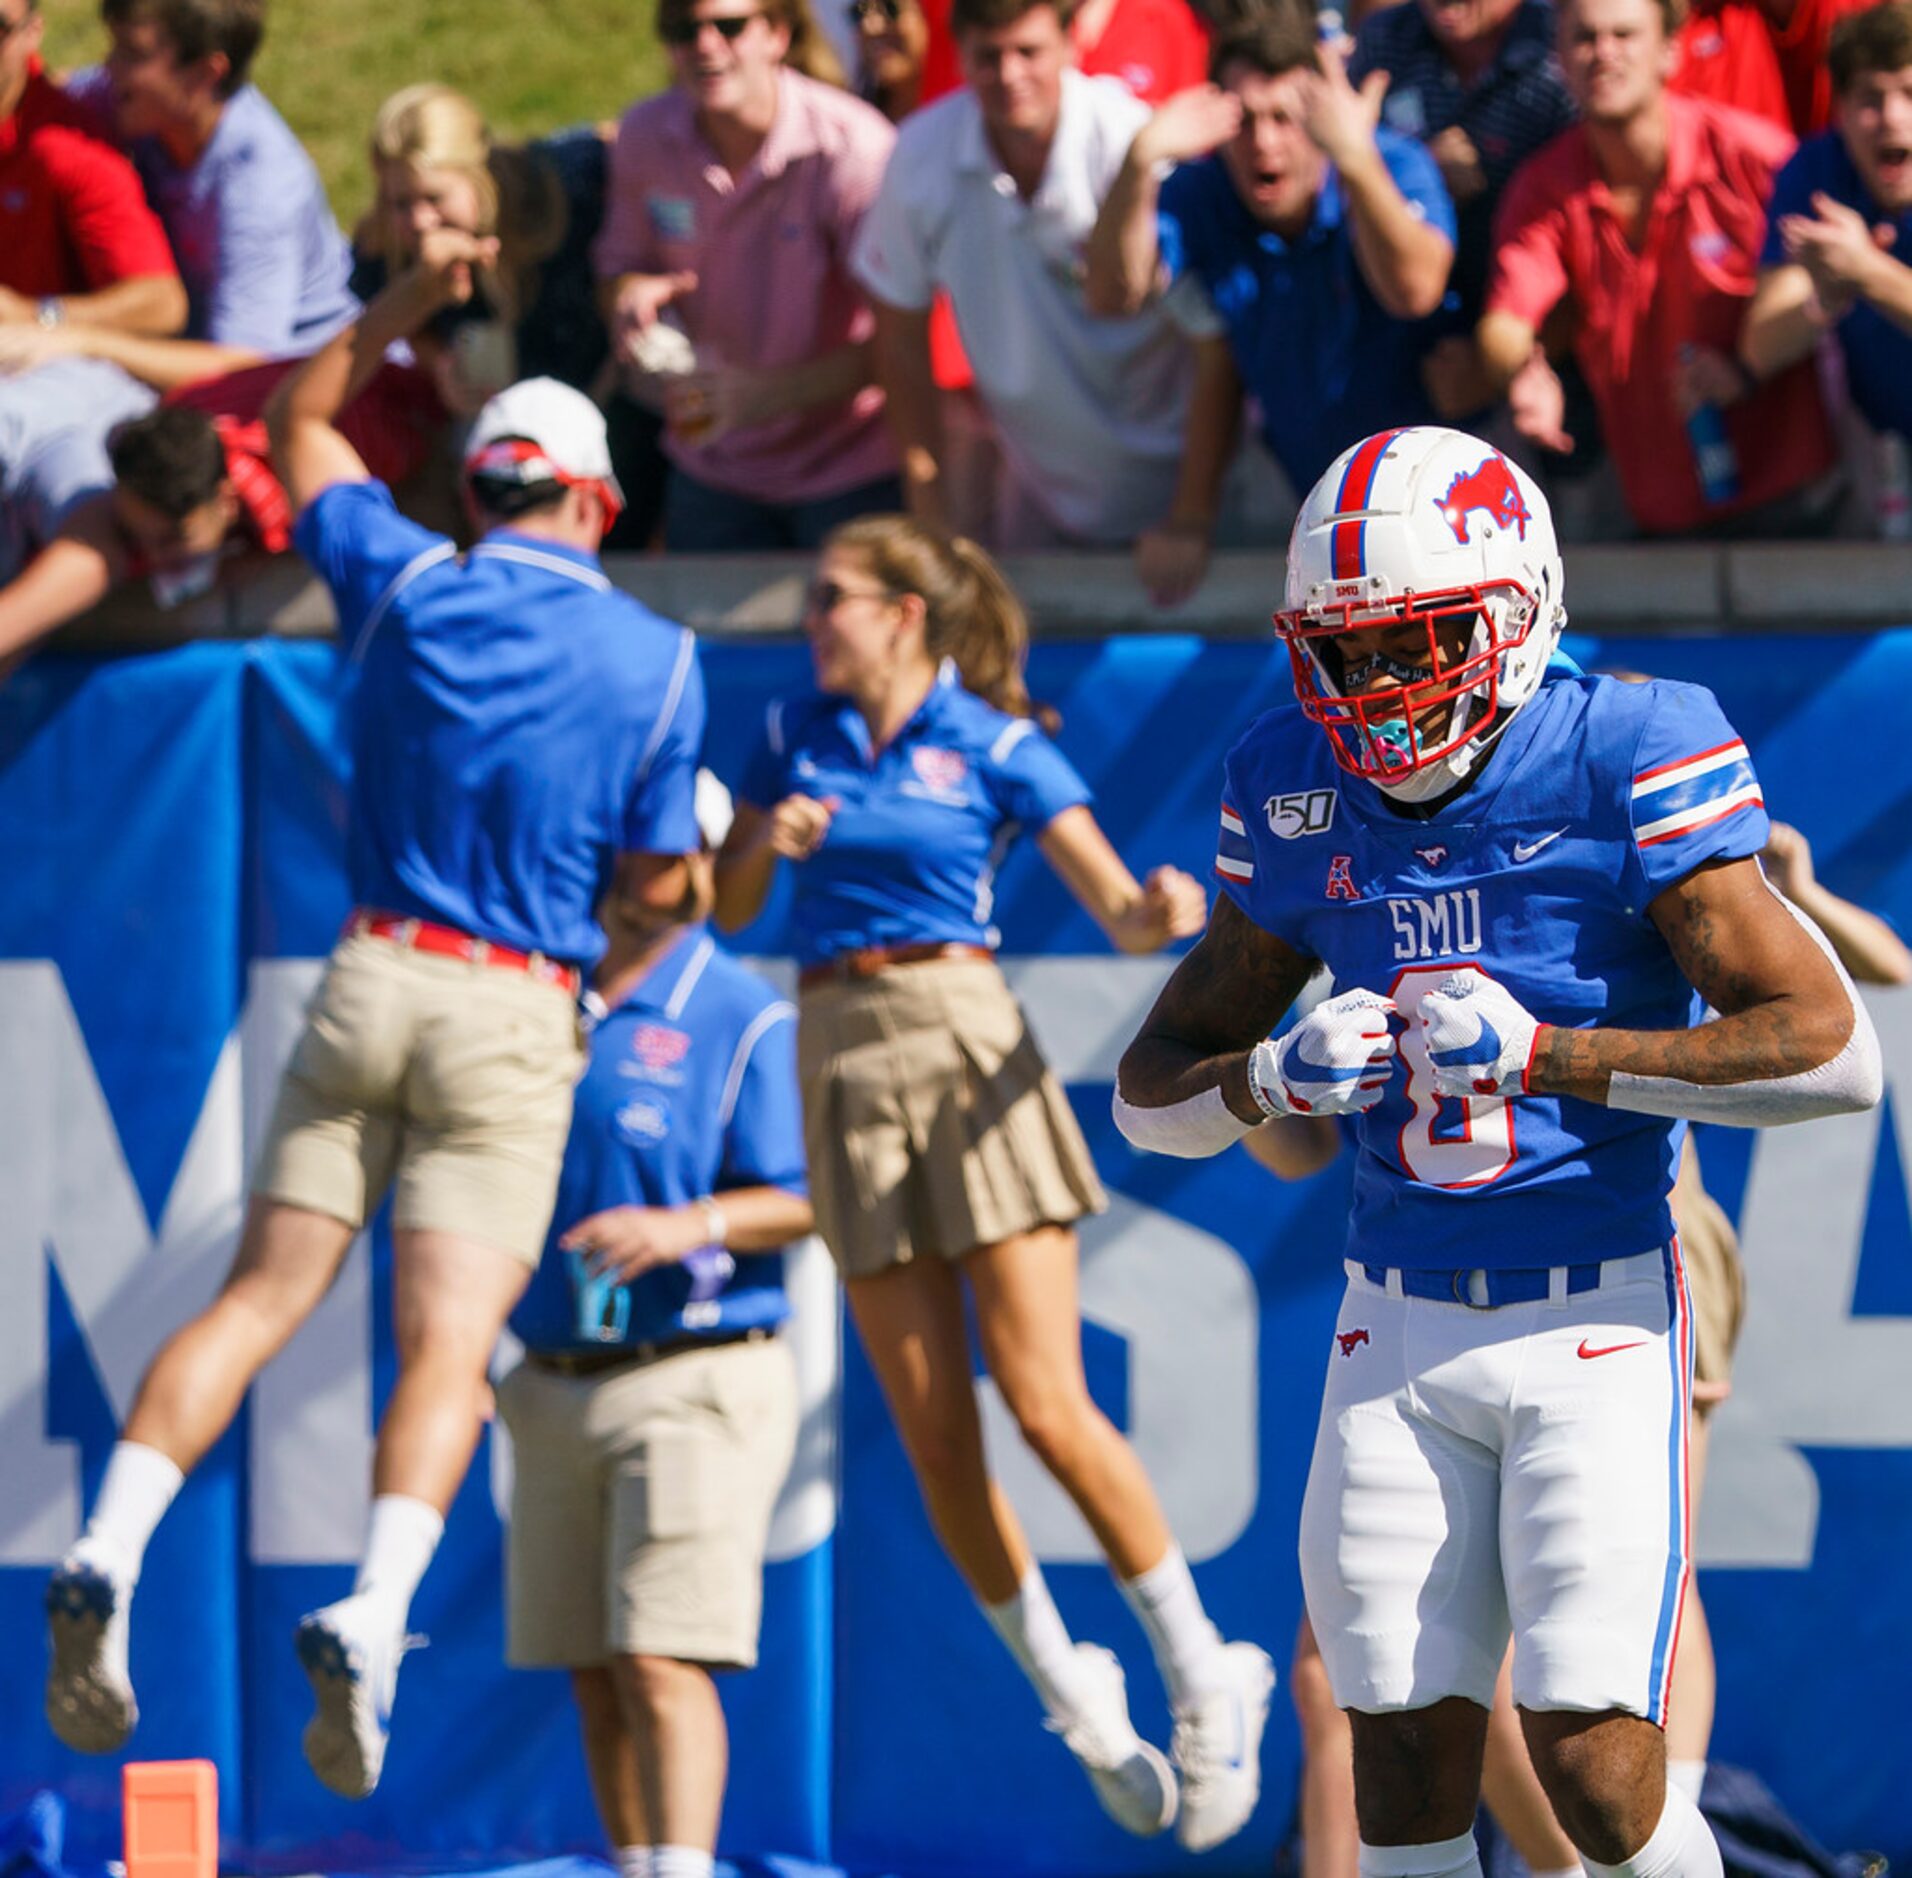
1043, 274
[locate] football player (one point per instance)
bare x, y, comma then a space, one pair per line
1529, 884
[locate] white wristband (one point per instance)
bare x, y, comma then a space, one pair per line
1197, 1126
716, 1226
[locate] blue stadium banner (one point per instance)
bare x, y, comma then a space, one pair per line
170, 831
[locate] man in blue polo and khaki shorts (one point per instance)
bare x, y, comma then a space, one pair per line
524, 741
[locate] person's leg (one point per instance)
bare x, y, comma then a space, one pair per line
1514, 1794
1689, 1708
287, 1258
610, 1759
1416, 1788
450, 1298
676, 1726
1595, 1539
1330, 1837
910, 1319
1606, 1777
1030, 1326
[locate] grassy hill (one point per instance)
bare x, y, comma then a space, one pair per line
532, 65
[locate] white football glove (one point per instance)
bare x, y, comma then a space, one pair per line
1479, 1037
1336, 1061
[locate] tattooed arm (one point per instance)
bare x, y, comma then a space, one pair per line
1224, 998
1791, 1036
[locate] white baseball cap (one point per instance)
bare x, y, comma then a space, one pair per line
540, 430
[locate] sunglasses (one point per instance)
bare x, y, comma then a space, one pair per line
863, 12
683, 31
825, 596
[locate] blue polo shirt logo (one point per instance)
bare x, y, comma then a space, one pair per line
657, 1050
642, 1119
945, 771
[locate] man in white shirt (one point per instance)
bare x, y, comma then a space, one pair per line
990, 196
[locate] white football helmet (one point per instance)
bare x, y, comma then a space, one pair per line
1426, 529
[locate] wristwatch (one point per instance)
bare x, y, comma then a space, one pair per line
48, 313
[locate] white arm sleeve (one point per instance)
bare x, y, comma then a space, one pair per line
1197, 1126
1851, 1081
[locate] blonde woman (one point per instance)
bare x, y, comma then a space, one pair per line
944, 1156
534, 312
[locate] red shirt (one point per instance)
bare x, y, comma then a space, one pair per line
73, 217
1802, 60
1688, 284
1155, 47
1726, 55
392, 424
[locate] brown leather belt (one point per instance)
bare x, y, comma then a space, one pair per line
866, 961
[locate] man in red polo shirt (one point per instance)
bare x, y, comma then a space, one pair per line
1651, 213
77, 239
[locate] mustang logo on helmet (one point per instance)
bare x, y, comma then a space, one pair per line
1493, 491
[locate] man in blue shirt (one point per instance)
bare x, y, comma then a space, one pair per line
524, 741
1530, 886
655, 1413
1838, 251
265, 266
1323, 239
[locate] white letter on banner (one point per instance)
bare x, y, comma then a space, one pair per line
310, 1476
1186, 1303
1808, 1373
70, 1195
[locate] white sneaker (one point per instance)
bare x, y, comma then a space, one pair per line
1217, 1749
1133, 1780
350, 1654
89, 1692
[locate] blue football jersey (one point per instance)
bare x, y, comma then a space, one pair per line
1600, 795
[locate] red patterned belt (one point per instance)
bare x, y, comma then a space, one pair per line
866, 961
421, 935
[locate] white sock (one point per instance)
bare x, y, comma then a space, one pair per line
1187, 1646
139, 1486
633, 1861
1688, 1776
399, 1544
1682, 1846
1032, 1628
680, 1861
1445, 1858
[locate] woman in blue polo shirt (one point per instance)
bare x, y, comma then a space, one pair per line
943, 1154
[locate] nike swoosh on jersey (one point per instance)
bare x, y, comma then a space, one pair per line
1526, 850
1588, 1355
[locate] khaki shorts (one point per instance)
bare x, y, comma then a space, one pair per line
451, 1079
641, 1506
1716, 1280
932, 1123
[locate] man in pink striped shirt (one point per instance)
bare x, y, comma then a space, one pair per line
734, 200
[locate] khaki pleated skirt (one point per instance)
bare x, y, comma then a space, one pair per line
933, 1124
